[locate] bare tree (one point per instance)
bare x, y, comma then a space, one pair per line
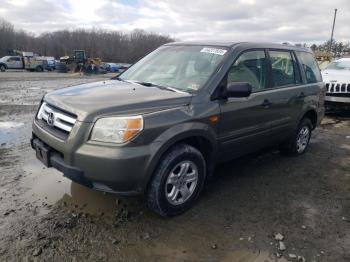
108, 45
338, 48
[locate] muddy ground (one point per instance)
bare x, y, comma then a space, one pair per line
45, 217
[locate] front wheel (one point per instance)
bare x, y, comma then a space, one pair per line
2, 68
299, 141
177, 181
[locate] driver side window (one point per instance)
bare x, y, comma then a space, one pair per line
250, 67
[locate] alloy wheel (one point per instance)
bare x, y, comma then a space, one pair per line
303, 139
181, 182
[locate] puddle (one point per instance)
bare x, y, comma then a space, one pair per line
10, 132
10, 125
50, 186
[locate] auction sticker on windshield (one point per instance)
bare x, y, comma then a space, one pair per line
215, 51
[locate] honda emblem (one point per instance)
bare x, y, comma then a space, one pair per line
50, 119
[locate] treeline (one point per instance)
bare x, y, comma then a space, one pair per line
114, 46
338, 49
111, 46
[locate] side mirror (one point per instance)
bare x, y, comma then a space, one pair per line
238, 89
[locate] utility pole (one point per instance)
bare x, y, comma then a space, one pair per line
335, 16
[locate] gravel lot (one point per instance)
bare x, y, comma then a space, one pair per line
45, 217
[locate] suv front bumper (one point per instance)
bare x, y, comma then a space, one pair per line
119, 170
52, 159
338, 99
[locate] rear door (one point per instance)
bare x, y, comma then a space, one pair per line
286, 93
314, 88
245, 122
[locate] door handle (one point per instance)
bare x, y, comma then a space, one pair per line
301, 95
266, 104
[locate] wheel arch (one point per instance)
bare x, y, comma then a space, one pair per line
200, 139
312, 115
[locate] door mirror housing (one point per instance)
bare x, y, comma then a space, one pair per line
238, 89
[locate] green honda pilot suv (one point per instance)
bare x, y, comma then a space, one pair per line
158, 129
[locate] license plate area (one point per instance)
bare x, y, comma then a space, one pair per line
43, 152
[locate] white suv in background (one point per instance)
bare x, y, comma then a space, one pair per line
337, 78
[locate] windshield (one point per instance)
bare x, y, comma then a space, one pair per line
185, 68
339, 65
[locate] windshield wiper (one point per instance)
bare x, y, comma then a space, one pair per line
154, 85
144, 83
117, 78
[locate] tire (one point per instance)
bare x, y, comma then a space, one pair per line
164, 195
39, 69
2, 68
298, 143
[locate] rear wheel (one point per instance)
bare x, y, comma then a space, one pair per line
39, 69
299, 141
2, 68
177, 181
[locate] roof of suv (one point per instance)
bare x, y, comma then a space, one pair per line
243, 44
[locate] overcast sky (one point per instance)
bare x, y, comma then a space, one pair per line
238, 20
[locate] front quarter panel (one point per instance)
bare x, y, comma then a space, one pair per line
164, 129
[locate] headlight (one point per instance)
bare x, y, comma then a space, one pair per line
117, 129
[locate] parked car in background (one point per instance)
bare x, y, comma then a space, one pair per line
113, 67
122, 66
51, 62
159, 129
11, 62
337, 78
105, 67
33, 64
29, 63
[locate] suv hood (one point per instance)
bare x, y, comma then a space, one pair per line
339, 76
114, 97
3, 59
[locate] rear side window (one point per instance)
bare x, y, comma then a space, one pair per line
310, 66
283, 67
249, 67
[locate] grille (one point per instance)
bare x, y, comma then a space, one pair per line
338, 88
55, 121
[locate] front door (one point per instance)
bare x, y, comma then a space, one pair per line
14, 62
245, 122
